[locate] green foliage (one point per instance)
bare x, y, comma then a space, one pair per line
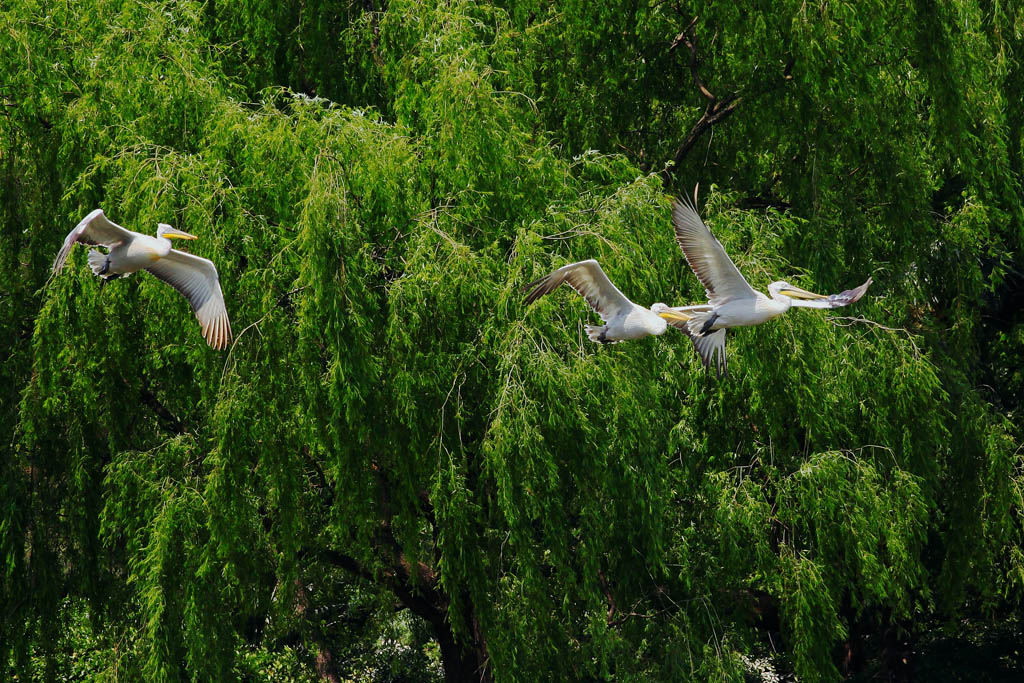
397, 465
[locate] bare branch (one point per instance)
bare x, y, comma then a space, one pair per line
718, 109
164, 416
848, 321
682, 35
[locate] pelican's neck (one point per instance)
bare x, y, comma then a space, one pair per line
657, 325
779, 302
163, 245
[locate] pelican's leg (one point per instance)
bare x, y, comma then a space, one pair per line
106, 269
706, 330
103, 273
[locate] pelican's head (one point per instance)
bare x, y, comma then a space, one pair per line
667, 313
781, 287
166, 231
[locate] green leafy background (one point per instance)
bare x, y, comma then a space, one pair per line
400, 472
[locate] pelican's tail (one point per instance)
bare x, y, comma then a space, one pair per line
599, 334
700, 324
97, 261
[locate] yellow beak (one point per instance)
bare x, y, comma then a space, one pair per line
797, 293
179, 234
675, 315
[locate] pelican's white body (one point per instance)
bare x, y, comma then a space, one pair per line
137, 253
752, 311
636, 324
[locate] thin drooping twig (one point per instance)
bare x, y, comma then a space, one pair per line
850, 321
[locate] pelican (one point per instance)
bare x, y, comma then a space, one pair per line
127, 251
623, 318
731, 301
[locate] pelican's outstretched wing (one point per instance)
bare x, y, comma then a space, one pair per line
197, 279
587, 278
835, 300
706, 256
94, 229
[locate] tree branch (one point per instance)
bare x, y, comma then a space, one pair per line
325, 484
717, 109
166, 419
425, 602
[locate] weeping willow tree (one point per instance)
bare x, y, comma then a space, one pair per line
394, 447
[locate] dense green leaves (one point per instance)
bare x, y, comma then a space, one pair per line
397, 468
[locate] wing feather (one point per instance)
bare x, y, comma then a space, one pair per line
196, 278
722, 281
711, 348
93, 229
844, 298
590, 282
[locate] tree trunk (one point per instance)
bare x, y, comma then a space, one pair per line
463, 662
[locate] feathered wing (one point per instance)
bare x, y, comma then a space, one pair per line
589, 280
835, 300
711, 348
93, 229
722, 281
196, 278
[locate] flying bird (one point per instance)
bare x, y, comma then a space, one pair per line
731, 301
127, 252
623, 318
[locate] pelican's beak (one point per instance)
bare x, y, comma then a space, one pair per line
675, 315
797, 293
179, 234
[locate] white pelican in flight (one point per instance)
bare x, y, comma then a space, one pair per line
127, 251
731, 301
623, 318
